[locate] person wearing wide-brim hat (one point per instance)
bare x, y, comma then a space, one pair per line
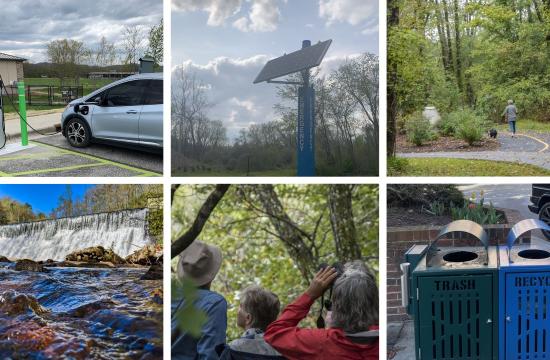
200, 264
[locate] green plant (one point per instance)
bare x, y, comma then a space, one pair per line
397, 165
418, 129
449, 122
435, 208
476, 212
469, 126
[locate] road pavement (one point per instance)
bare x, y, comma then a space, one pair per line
52, 155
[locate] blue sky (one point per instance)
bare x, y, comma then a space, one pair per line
226, 43
41, 197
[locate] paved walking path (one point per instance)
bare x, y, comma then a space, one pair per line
526, 148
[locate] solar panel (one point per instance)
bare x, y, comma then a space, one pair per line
302, 59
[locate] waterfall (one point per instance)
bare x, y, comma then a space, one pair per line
123, 231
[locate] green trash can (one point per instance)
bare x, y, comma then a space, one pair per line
451, 291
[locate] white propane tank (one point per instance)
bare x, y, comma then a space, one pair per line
430, 113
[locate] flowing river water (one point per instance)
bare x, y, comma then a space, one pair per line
74, 312
79, 313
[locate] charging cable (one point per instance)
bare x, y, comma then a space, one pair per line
21, 117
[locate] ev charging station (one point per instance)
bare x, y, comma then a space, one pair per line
2, 120
300, 61
22, 118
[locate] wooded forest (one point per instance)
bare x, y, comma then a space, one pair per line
461, 55
276, 236
346, 111
97, 199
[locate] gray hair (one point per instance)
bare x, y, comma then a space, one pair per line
355, 299
510, 102
262, 305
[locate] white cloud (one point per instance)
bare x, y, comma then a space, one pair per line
218, 10
28, 25
263, 16
353, 12
236, 101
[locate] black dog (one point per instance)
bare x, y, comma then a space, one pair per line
493, 133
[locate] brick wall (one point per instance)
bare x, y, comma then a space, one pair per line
400, 239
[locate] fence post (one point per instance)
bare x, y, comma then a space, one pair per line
22, 113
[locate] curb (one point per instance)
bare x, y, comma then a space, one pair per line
46, 129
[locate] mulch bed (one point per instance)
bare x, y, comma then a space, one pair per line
444, 143
398, 217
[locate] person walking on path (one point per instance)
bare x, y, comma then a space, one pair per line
510, 115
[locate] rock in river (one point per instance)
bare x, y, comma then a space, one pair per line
154, 273
95, 254
28, 265
148, 255
4, 259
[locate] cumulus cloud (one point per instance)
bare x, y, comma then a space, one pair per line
235, 100
263, 15
218, 10
28, 25
354, 12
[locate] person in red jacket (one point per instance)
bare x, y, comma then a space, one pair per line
353, 325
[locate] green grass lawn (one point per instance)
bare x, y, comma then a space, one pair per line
460, 167
55, 81
527, 124
9, 109
280, 172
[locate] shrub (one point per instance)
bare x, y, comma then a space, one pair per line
467, 125
418, 129
396, 165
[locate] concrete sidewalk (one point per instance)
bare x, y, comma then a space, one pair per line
44, 122
401, 341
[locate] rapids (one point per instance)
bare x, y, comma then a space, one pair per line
79, 313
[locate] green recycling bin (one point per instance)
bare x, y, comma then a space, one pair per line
451, 291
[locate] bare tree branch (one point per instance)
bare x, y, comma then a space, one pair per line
202, 217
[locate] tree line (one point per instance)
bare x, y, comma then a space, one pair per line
66, 56
97, 199
347, 128
466, 54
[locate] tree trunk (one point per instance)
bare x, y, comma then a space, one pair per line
202, 217
290, 234
342, 222
393, 22
448, 35
458, 51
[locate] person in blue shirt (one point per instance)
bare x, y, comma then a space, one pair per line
200, 263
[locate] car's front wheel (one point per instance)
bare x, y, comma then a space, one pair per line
544, 215
78, 133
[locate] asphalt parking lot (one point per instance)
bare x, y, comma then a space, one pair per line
52, 156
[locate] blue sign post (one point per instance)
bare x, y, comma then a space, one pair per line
305, 142
300, 61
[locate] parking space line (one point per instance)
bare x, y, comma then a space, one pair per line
32, 172
142, 172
